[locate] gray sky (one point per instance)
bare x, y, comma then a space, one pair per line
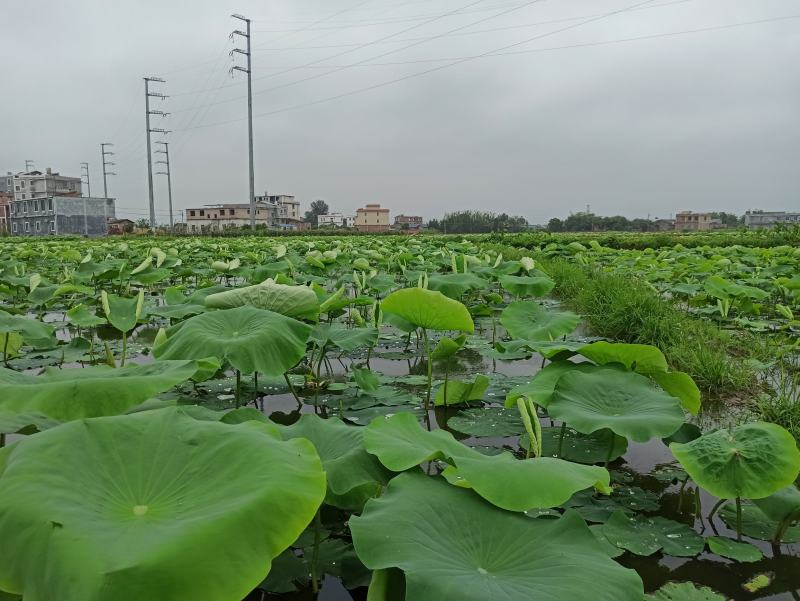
566, 110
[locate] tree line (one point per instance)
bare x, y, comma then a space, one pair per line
478, 222
589, 222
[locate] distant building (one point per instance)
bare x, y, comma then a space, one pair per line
686, 220
330, 220
5, 211
408, 222
120, 226
764, 219
664, 225
372, 218
61, 215
280, 211
7, 183
37, 184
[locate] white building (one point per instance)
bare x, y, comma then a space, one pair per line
280, 211
35, 184
760, 219
335, 220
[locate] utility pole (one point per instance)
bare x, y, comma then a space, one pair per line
85, 173
168, 173
85, 166
147, 95
249, 71
28, 165
104, 153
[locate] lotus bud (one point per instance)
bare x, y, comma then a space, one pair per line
161, 337
104, 302
498, 260
139, 304
527, 263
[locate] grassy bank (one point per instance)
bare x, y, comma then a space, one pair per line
622, 309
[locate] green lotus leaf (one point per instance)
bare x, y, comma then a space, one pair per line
155, 505
250, 339
684, 591
756, 524
530, 321
447, 347
642, 358
366, 379
781, 506
245, 414
682, 387
10, 345
643, 535
386, 585
418, 526
95, 391
487, 422
400, 443
725, 547
625, 402
751, 461
33, 332
83, 318
344, 338
540, 389
12, 422
346, 463
44, 294
454, 285
623, 498
519, 485
456, 392
523, 285
293, 301
122, 313
428, 309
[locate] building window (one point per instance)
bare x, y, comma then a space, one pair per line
230, 211
52, 226
14, 227
202, 213
22, 183
25, 207
38, 226
191, 213
27, 226
50, 203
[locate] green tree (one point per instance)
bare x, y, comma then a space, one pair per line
318, 207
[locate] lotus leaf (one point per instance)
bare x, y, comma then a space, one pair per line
751, 461
428, 309
250, 339
642, 358
454, 285
684, 591
756, 524
523, 285
625, 402
293, 301
96, 391
418, 526
644, 535
172, 508
725, 547
531, 321
456, 392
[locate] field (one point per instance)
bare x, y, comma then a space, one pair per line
519, 417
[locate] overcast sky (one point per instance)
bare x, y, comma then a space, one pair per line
535, 108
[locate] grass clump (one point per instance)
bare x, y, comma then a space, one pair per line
621, 309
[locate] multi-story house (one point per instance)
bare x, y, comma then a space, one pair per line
5, 211
764, 219
372, 218
36, 184
335, 220
686, 220
271, 211
408, 222
61, 215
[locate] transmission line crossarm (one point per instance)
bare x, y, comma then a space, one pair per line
249, 71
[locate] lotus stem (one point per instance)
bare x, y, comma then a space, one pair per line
714, 509
561, 435
238, 387
124, 348
315, 553
739, 518
610, 448
430, 377
5, 348
291, 388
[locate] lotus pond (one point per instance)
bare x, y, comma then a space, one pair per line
378, 419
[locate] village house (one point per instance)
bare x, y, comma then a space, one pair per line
372, 218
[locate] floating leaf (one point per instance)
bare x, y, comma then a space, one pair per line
732, 549
624, 402
418, 526
684, 591
751, 461
166, 494
644, 535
